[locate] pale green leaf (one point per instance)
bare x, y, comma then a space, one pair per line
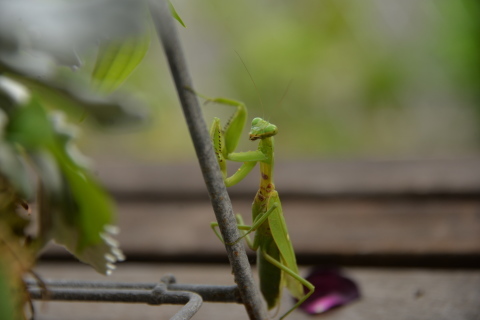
117, 60
67, 91
175, 14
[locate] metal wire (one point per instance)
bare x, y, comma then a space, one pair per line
164, 292
64, 290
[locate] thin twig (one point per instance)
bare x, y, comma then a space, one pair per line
213, 179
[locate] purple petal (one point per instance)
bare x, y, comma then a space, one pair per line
332, 289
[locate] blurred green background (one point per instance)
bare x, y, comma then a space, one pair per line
365, 79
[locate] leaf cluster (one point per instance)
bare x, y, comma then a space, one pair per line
43, 175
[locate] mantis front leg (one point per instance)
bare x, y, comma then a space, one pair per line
241, 173
225, 141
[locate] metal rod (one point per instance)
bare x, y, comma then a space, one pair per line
72, 290
193, 301
208, 163
94, 292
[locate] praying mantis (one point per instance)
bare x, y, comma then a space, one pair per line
276, 260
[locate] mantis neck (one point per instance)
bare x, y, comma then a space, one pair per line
266, 166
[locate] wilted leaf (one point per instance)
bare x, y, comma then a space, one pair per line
332, 289
9, 215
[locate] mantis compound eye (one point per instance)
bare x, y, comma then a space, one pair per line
271, 130
256, 121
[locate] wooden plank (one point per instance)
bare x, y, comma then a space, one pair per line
404, 213
386, 294
157, 230
319, 178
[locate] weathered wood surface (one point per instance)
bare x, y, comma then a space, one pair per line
372, 213
302, 178
399, 294
416, 213
172, 230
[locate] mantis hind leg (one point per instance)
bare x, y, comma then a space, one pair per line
243, 227
256, 224
294, 275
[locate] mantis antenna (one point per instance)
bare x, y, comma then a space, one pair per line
287, 88
284, 93
251, 78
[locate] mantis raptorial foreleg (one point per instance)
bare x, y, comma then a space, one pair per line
225, 141
275, 256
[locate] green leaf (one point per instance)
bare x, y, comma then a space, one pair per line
77, 215
117, 60
94, 212
95, 209
12, 166
84, 223
175, 14
29, 127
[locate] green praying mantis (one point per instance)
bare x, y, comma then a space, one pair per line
276, 260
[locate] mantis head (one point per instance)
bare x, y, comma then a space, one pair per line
262, 129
